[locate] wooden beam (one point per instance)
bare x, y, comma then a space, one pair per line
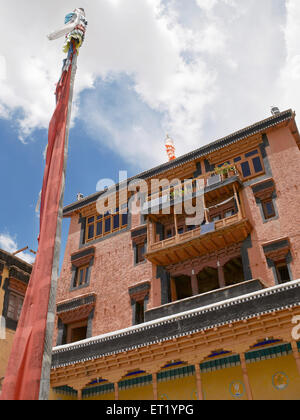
246, 377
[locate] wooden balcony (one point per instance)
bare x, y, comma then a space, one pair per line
203, 240
216, 187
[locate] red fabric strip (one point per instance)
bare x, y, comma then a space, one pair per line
23, 374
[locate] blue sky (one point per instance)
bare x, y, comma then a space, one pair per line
196, 69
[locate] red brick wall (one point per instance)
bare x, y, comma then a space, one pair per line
284, 157
112, 273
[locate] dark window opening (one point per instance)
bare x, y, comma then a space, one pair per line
257, 165
253, 153
208, 280
116, 221
246, 169
81, 276
76, 332
107, 225
139, 312
183, 287
99, 229
124, 219
169, 233
268, 209
102, 225
233, 272
91, 231
140, 253
283, 273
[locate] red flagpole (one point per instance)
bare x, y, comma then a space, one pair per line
28, 372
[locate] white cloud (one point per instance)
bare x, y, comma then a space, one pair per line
2, 68
208, 66
9, 244
290, 75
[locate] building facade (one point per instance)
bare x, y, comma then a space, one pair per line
14, 279
154, 303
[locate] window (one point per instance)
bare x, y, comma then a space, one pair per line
268, 208
140, 253
102, 225
76, 332
246, 169
283, 273
81, 277
249, 164
15, 304
99, 229
139, 312
116, 222
169, 233
223, 213
228, 213
90, 227
139, 296
257, 165
107, 225
182, 287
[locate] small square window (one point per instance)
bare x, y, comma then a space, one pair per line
228, 213
81, 277
283, 273
140, 253
268, 209
76, 332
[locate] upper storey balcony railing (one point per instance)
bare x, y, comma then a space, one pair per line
203, 240
213, 185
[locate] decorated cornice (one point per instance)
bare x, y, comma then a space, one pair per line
83, 257
76, 309
17, 286
139, 291
72, 304
272, 300
15, 273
